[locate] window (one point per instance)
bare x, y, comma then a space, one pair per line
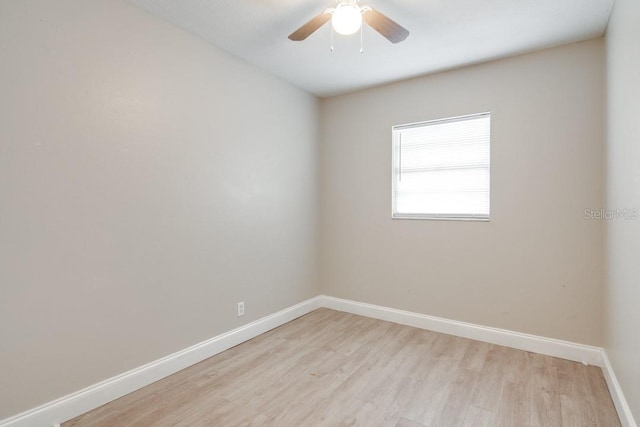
441, 169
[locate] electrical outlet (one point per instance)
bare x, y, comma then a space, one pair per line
241, 308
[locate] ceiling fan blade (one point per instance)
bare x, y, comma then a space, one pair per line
390, 29
307, 29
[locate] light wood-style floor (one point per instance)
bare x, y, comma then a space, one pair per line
336, 369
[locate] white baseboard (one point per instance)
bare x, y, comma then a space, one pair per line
547, 346
551, 347
624, 411
78, 403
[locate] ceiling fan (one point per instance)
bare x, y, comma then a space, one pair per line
346, 18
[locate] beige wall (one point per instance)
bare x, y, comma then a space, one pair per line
622, 285
536, 267
148, 182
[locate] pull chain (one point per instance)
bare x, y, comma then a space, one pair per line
361, 43
331, 49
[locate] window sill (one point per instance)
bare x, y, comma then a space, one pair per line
441, 218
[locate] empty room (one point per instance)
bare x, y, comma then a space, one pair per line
289, 213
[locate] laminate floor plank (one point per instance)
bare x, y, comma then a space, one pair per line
475, 356
459, 397
515, 405
604, 413
478, 417
545, 397
431, 393
403, 422
336, 369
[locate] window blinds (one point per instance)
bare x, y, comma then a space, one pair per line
441, 168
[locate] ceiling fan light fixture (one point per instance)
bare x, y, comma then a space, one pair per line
346, 19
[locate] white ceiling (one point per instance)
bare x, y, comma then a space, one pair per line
444, 34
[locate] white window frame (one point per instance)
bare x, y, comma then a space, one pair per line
395, 166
